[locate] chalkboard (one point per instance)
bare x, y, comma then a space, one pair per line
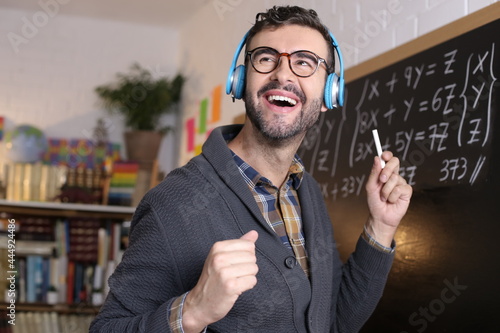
436, 110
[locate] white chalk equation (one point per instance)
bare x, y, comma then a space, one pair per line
435, 111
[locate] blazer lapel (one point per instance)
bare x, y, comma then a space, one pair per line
217, 153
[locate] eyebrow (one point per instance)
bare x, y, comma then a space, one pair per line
261, 49
265, 49
306, 54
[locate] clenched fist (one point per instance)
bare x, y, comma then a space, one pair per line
230, 269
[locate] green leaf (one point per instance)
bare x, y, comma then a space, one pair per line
140, 98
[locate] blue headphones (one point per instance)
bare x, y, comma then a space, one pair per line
334, 87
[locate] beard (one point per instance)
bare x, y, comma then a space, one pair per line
279, 130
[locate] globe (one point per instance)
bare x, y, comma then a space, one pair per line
25, 144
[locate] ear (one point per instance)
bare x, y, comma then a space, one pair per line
323, 107
323, 104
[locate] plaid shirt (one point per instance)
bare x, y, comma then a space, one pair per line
280, 206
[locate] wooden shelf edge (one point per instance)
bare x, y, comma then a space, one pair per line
65, 209
59, 308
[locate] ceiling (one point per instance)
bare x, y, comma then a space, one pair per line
166, 13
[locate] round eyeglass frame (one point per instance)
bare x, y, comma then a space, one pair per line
288, 55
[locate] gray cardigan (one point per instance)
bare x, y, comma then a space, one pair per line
206, 201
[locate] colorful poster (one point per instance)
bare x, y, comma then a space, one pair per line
1, 128
203, 116
207, 118
216, 104
190, 134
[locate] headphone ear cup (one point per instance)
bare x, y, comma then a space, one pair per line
238, 85
340, 93
331, 91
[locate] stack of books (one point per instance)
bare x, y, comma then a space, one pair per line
33, 181
122, 183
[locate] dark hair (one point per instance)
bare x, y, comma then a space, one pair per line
279, 16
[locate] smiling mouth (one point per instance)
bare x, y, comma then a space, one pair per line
281, 101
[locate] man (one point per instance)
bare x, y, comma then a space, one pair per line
239, 239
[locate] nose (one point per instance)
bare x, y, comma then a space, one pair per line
283, 73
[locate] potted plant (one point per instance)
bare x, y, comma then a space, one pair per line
142, 99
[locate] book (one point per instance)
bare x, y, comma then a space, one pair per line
45, 280
87, 284
31, 267
70, 283
110, 268
4, 263
54, 323
62, 265
116, 252
21, 292
37, 320
35, 228
83, 240
39, 278
122, 183
103, 247
35, 182
78, 283
56, 176
45, 322
97, 286
21, 323
28, 247
18, 174
26, 182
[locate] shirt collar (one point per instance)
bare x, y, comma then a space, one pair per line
253, 177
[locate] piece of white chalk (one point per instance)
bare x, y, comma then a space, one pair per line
378, 146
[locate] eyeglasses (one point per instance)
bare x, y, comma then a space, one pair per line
302, 63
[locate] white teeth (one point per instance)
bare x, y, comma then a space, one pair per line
281, 98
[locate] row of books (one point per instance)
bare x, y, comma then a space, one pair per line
46, 322
114, 185
58, 280
72, 267
122, 183
32, 181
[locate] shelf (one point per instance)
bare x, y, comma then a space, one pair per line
65, 209
72, 225
59, 308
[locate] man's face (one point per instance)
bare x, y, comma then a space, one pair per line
274, 118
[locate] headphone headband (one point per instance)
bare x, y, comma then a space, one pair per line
230, 75
334, 86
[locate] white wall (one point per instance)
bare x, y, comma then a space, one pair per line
49, 82
364, 29
48, 79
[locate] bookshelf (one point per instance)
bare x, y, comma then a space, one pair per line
65, 209
76, 247
57, 308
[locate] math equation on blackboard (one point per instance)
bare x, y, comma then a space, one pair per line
435, 111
